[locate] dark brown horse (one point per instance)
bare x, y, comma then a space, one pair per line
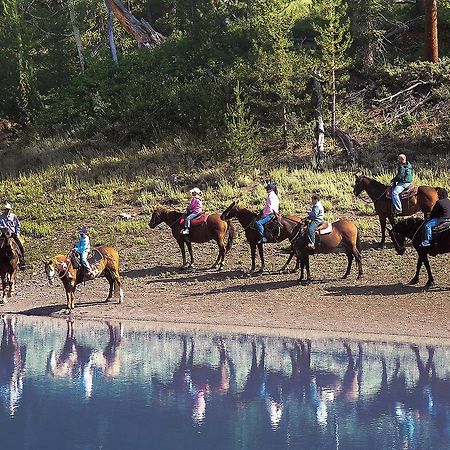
108, 266
412, 228
213, 229
9, 265
423, 201
344, 234
247, 220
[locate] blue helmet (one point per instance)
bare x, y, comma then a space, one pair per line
271, 186
84, 230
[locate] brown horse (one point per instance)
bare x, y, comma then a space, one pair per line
423, 201
108, 266
9, 265
344, 234
213, 229
247, 220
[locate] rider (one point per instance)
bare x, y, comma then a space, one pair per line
10, 222
194, 208
83, 247
315, 216
270, 210
401, 181
440, 213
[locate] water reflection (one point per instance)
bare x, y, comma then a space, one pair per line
136, 388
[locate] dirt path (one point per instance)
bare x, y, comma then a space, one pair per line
379, 306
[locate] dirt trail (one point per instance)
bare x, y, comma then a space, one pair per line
379, 306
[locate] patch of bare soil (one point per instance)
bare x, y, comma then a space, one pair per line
380, 306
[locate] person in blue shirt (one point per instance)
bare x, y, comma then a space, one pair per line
83, 247
315, 217
9, 222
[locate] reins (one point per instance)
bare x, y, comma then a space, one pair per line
67, 268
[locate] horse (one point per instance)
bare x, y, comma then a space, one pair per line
343, 233
108, 266
9, 264
423, 200
412, 228
214, 228
247, 220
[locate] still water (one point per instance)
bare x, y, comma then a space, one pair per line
88, 385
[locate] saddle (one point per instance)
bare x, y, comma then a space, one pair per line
407, 193
93, 259
324, 228
200, 219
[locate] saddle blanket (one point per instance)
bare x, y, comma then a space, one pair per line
410, 192
325, 228
199, 220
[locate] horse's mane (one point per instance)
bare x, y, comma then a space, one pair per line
378, 183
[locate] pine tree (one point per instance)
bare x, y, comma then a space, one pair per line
333, 41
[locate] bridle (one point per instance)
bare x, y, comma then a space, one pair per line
369, 201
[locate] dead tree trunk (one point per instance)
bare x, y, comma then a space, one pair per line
141, 30
76, 34
112, 44
431, 31
320, 127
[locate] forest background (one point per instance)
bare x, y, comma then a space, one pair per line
224, 94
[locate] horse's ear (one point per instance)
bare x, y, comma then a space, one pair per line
233, 204
358, 174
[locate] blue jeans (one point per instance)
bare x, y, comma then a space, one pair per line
260, 223
396, 191
187, 220
430, 224
84, 261
312, 230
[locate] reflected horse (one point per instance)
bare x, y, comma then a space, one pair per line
344, 234
213, 229
423, 201
9, 265
108, 267
109, 360
12, 365
412, 228
247, 220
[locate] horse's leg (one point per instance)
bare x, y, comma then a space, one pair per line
253, 255
189, 246
183, 252
291, 255
430, 282
383, 231
415, 279
68, 298
3, 288
261, 257
110, 278
308, 272
349, 264
118, 285
222, 252
358, 259
302, 269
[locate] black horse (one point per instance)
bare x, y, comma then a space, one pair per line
412, 229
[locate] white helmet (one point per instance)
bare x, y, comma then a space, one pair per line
195, 190
6, 205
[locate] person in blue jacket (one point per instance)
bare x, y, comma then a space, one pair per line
315, 217
83, 247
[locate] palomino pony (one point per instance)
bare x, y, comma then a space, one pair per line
423, 201
344, 234
412, 228
214, 228
247, 220
9, 265
108, 266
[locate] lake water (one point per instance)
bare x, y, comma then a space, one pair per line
91, 385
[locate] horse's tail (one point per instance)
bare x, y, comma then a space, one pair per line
358, 240
231, 234
442, 193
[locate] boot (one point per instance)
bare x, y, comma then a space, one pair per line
22, 265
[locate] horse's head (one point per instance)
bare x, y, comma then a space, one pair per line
230, 212
398, 239
55, 266
7, 245
156, 218
359, 184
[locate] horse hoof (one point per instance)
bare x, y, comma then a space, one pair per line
380, 246
359, 276
413, 281
344, 277
429, 285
